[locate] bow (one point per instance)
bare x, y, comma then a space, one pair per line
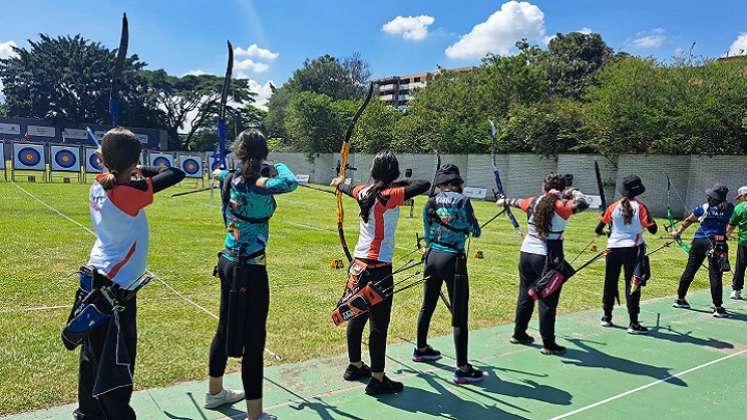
222, 109
344, 162
670, 218
499, 191
602, 208
119, 62
432, 193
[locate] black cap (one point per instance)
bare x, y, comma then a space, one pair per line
718, 192
447, 174
568, 180
632, 186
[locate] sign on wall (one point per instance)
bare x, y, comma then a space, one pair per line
75, 133
28, 157
191, 165
65, 158
40, 131
476, 193
161, 160
92, 161
302, 178
6, 128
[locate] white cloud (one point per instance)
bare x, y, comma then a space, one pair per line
6, 49
255, 51
739, 46
412, 28
263, 93
585, 31
654, 38
242, 66
498, 34
196, 72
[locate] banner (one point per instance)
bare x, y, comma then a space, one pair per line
92, 162
191, 165
65, 158
2, 155
302, 178
161, 160
40, 131
475, 192
28, 157
6, 128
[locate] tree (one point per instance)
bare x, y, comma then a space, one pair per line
327, 75
545, 128
314, 123
376, 129
69, 79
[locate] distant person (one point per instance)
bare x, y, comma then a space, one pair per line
710, 242
379, 204
448, 220
739, 219
248, 204
542, 250
627, 218
117, 202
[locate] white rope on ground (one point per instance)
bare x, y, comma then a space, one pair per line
168, 286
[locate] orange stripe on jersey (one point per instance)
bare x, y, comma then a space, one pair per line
375, 248
607, 216
644, 216
526, 203
396, 197
564, 209
131, 200
118, 266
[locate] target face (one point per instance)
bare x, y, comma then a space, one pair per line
93, 160
29, 156
162, 162
190, 166
65, 159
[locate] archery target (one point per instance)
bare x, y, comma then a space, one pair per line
161, 160
29, 157
191, 165
65, 158
92, 162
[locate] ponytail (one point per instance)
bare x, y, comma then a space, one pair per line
108, 181
384, 170
120, 150
553, 184
250, 147
627, 210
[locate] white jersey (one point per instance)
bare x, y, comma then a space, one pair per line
376, 240
121, 249
626, 235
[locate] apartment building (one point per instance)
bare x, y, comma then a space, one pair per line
397, 91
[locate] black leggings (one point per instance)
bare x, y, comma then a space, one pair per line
379, 315
617, 259
442, 267
531, 267
115, 404
698, 253
258, 305
738, 280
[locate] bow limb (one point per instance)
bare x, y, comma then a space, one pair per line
673, 223
344, 162
119, 63
499, 191
222, 109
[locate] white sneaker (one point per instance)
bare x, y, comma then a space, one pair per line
224, 397
736, 294
264, 416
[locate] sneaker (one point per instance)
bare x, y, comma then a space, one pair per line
522, 339
720, 312
264, 416
224, 397
637, 329
428, 354
681, 303
353, 373
471, 375
386, 386
606, 321
552, 349
736, 294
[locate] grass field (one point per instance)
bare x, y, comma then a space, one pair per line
40, 248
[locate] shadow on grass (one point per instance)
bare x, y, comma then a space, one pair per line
589, 357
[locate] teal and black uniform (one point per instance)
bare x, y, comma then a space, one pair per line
249, 205
448, 220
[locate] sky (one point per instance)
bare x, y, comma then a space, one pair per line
274, 37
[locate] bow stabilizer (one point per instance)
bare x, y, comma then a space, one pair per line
343, 167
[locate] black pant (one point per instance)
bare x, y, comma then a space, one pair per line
258, 295
379, 315
531, 267
621, 258
450, 268
738, 281
698, 253
115, 404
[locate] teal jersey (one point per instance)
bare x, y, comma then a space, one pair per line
249, 210
448, 219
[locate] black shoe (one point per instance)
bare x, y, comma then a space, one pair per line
720, 312
607, 321
429, 354
552, 348
387, 386
353, 373
522, 339
637, 328
681, 303
471, 375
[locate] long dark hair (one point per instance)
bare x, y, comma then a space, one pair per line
552, 185
384, 170
250, 147
120, 149
627, 210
